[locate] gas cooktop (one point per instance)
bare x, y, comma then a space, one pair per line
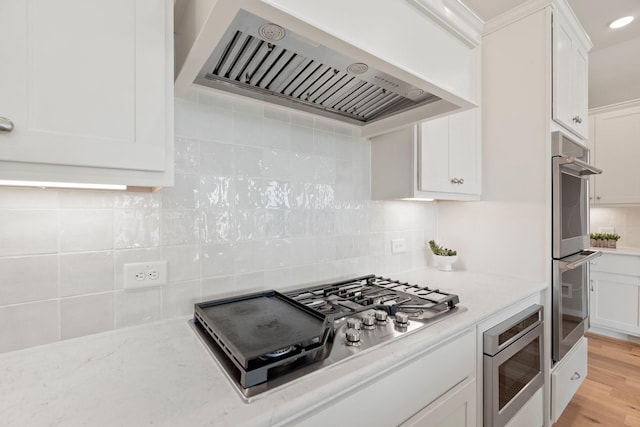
266, 339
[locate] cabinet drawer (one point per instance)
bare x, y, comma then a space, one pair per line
567, 377
619, 264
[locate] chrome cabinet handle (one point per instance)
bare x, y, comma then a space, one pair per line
575, 376
461, 181
577, 119
591, 286
454, 180
6, 125
597, 197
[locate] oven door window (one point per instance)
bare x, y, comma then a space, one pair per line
574, 206
518, 371
574, 299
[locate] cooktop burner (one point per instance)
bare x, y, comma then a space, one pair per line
266, 339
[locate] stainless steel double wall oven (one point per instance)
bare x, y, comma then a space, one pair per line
571, 254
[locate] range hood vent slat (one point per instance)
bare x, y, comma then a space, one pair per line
291, 71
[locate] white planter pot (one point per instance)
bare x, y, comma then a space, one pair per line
443, 263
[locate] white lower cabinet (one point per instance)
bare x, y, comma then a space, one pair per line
567, 376
457, 408
439, 382
615, 293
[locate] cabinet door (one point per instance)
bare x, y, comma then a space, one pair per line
85, 82
614, 302
569, 79
435, 173
455, 409
465, 150
617, 148
449, 154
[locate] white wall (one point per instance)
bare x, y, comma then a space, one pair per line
264, 198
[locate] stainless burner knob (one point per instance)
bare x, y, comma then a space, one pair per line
381, 316
369, 322
352, 337
354, 323
402, 319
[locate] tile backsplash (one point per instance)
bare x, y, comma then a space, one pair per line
625, 221
264, 198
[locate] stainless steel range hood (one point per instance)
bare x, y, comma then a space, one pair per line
263, 60
381, 68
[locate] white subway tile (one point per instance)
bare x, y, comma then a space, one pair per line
301, 139
137, 306
187, 155
85, 315
217, 192
325, 170
276, 164
344, 247
178, 298
184, 194
249, 193
86, 230
249, 224
86, 273
323, 143
218, 287
248, 161
274, 224
184, 262
136, 228
277, 254
26, 325
217, 260
252, 282
26, 198
216, 159
324, 249
137, 200
86, 199
178, 227
218, 226
28, 278
276, 194
248, 129
276, 134
28, 232
249, 256
303, 251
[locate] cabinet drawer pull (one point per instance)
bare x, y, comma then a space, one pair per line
575, 376
461, 181
6, 125
577, 119
455, 181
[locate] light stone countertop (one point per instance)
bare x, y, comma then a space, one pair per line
161, 374
618, 251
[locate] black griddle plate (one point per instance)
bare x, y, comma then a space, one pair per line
252, 326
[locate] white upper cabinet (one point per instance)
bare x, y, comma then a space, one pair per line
449, 154
87, 85
570, 67
616, 147
437, 159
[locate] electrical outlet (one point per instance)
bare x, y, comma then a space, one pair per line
398, 246
145, 274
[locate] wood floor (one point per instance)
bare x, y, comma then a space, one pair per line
610, 395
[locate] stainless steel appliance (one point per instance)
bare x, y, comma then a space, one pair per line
571, 171
513, 360
570, 229
264, 340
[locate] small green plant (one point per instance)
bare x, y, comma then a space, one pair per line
439, 250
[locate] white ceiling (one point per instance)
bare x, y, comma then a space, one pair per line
614, 61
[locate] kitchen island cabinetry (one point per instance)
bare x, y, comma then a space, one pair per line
455, 409
615, 293
615, 147
437, 159
404, 390
570, 66
88, 90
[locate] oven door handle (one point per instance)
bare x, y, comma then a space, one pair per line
574, 264
578, 166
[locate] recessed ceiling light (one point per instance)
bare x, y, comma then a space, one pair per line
619, 23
